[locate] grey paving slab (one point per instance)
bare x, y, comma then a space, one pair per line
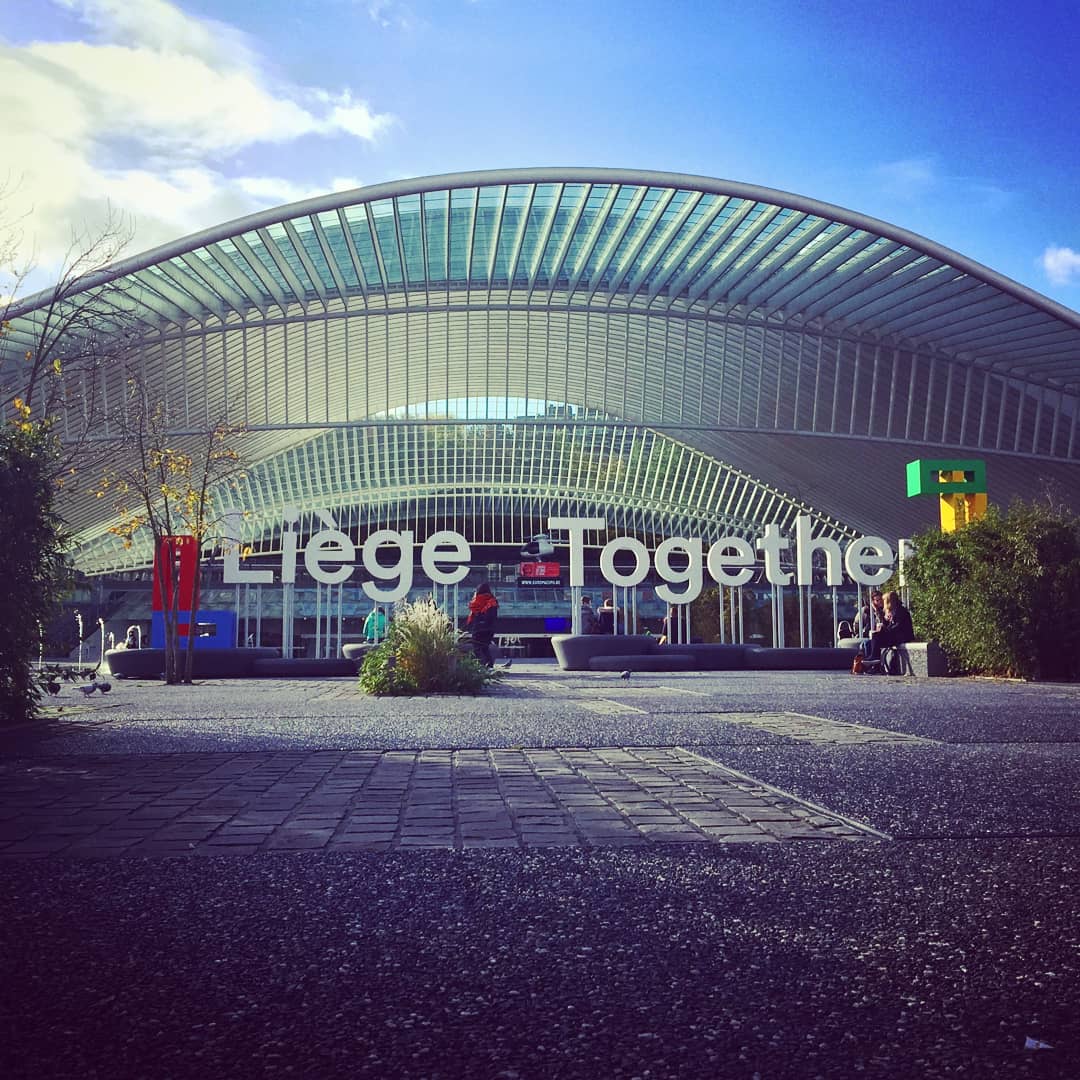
435, 799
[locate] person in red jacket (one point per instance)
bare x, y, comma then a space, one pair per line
483, 611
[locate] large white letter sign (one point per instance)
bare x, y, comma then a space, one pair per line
691, 575
233, 573
402, 569
445, 546
329, 545
805, 546
718, 562
290, 537
576, 527
869, 551
772, 543
641, 562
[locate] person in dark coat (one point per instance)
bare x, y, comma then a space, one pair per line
605, 617
896, 627
588, 616
483, 611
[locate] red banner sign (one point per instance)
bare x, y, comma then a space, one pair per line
174, 567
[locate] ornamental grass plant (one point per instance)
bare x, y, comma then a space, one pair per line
423, 653
1000, 594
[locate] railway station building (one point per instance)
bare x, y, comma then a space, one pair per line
481, 353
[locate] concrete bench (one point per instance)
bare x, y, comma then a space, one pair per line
671, 661
232, 663
923, 659
818, 659
614, 652
574, 651
303, 668
355, 652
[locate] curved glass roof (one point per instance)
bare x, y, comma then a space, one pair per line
658, 242
790, 340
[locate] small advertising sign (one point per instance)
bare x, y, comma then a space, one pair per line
539, 573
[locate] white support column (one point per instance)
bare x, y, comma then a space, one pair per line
340, 624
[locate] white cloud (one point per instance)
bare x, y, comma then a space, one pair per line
918, 179
390, 14
1062, 265
147, 116
160, 26
909, 178
276, 190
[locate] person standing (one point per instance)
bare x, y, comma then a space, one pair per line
483, 611
605, 617
375, 626
588, 616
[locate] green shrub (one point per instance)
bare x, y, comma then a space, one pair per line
423, 654
35, 572
1000, 595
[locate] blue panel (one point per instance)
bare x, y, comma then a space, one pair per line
215, 630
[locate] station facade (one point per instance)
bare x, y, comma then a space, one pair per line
480, 353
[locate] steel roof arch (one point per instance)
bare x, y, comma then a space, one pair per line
494, 177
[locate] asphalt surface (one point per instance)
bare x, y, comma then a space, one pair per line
936, 952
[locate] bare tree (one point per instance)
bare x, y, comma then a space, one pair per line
56, 343
168, 484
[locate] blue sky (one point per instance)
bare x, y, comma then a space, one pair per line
955, 120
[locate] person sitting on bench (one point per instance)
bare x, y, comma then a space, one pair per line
896, 628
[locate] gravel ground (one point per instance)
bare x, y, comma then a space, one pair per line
933, 954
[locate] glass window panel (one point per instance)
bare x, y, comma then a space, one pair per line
435, 205
335, 237
487, 218
356, 216
386, 234
571, 199
288, 252
258, 249
306, 231
461, 217
240, 266
412, 238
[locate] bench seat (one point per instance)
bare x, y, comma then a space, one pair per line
672, 661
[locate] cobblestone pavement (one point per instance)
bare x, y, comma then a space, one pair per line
213, 804
551, 879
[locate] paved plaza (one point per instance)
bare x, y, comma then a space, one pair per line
742, 874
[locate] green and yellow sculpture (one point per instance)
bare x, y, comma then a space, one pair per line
960, 486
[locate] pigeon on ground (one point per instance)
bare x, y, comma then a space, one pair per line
88, 689
104, 687
625, 675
